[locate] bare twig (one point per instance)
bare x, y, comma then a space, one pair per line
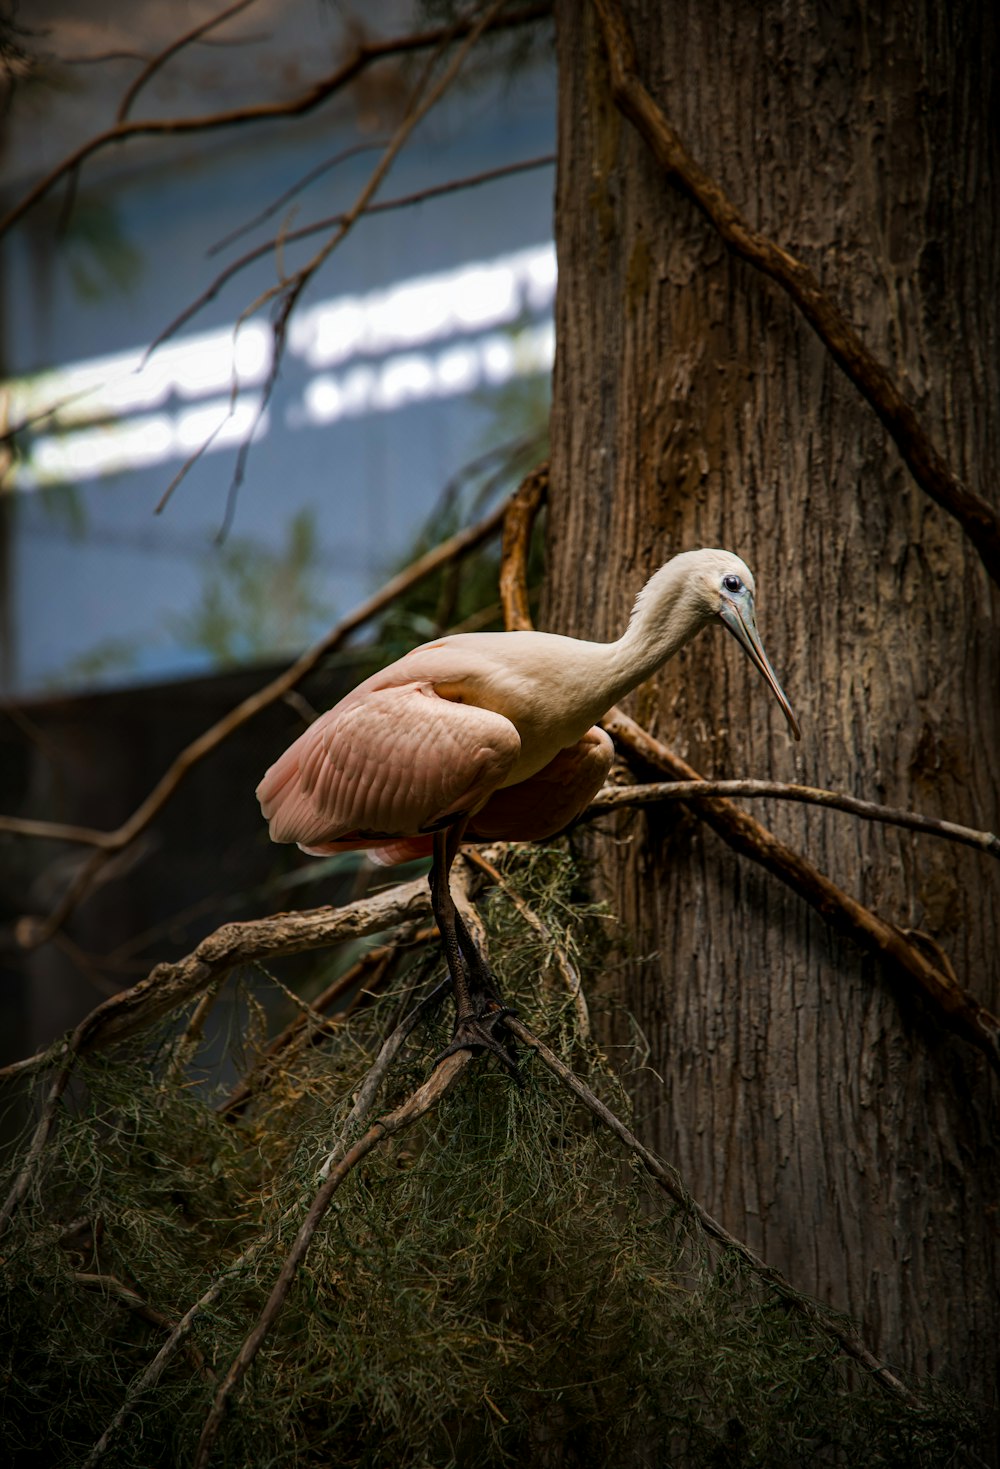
614, 797
148, 1379
959, 1010
33, 931
343, 155
669, 1181
154, 65
975, 515
417, 1105
334, 221
379, 1070
55, 831
305, 102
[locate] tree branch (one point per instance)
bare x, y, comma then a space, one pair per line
959, 1010
611, 798
169, 985
518, 522
287, 292
110, 1285
154, 65
370, 970
305, 102
975, 515
55, 831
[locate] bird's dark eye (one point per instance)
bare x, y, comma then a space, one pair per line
732, 583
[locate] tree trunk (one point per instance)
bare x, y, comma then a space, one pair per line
810, 1103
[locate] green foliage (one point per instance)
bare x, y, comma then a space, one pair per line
500, 1285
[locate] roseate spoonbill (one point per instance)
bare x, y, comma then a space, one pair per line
490, 736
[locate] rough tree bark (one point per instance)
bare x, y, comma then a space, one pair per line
815, 1109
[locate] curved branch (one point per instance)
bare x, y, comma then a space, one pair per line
613, 797
55, 831
287, 292
169, 985
976, 516
518, 522
959, 1010
32, 931
305, 102
154, 65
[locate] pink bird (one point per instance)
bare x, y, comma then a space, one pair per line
490, 736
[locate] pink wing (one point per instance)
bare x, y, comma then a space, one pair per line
543, 804
390, 764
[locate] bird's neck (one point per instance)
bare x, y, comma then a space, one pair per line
666, 616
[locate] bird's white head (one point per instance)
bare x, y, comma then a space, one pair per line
696, 587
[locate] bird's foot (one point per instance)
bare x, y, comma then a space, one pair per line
475, 1032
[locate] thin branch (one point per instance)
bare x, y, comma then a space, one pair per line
169, 985
148, 1379
305, 102
613, 797
54, 831
668, 1180
976, 516
153, 66
110, 1285
959, 1010
369, 145
333, 221
32, 931
417, 1105
364, 1101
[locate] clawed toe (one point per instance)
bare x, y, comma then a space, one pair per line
476, 1033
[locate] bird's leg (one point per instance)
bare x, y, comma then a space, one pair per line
478, 1008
